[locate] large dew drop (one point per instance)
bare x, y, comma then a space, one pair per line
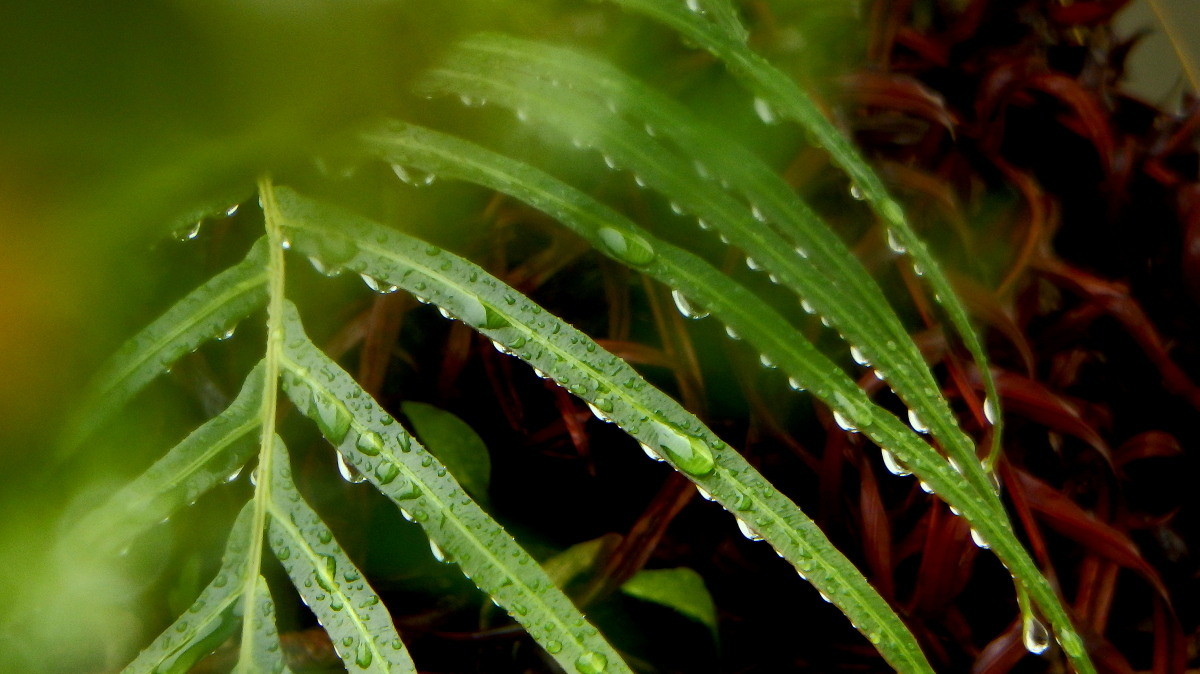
349, 473
331, 416
916, 423
686, 307
749, 533
690, 454
377, 285
626, 246
991, 410
1034, 635
893, 465
843, 422
979, 541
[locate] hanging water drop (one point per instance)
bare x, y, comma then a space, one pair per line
686, 307
801, 252
285, 243
608, 161
807, 307
598, 413
1034, 635
732, 333
402, 174
918, 269
445, 314
757, 213
991, 411
926, 488
626, 246
753, 264
349, 473
893, 465
843, 422
639, 180
232, 210
977, 538
233, 475
438, 554
228, 334
894, 243
704, 493
856, 192
859, 357
190, 233
795, 384
766, 361
650, 452
676, 208
764, 111
694, 6
916, 423
749, 533
377, 285
703, 225
322, 269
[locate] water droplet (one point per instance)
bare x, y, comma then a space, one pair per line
408, 516
608, 161
978, 539
323, 269
227, 335
650, 131
801, 252
918, 269
694, 5
639, 180
926, 488
332, 418
764, 111
363, 657
553, 647
955, 465
859, 357
825, 597
438, 554
386, 472
766, 361
757, 213
369, 443
686, 307
402, 174
894, 243
676, 208
893, 465
650, 452
285, 243
377, 285
732, 333
626, 246
598, 413
749, 533
843, 422
915, 421
688, 453
704, 494
190, 233
795, 384
753, 264
591, 663
349, 473
991, 411
233, 475
1034, 635
807, 307
879, 375
856, 193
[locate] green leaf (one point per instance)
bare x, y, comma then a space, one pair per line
459, 531
680, 589
205, 313
331, 585
580, 558
455, 444
213, 453
212, 618
611, 386
260, 651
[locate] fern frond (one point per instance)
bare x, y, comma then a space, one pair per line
207, 312
329, 582
395, 463
260, 651
814, 263
614, 389
742, 312
213, 453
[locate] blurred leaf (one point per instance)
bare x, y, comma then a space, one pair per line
455, 444
681, 589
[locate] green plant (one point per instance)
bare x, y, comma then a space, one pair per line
670, 152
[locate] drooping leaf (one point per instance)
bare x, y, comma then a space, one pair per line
680, 589
371, 441
203, 314
213, 617
455, 444
213, 453
331, 585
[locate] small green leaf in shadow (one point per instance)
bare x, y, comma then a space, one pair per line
455, 444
